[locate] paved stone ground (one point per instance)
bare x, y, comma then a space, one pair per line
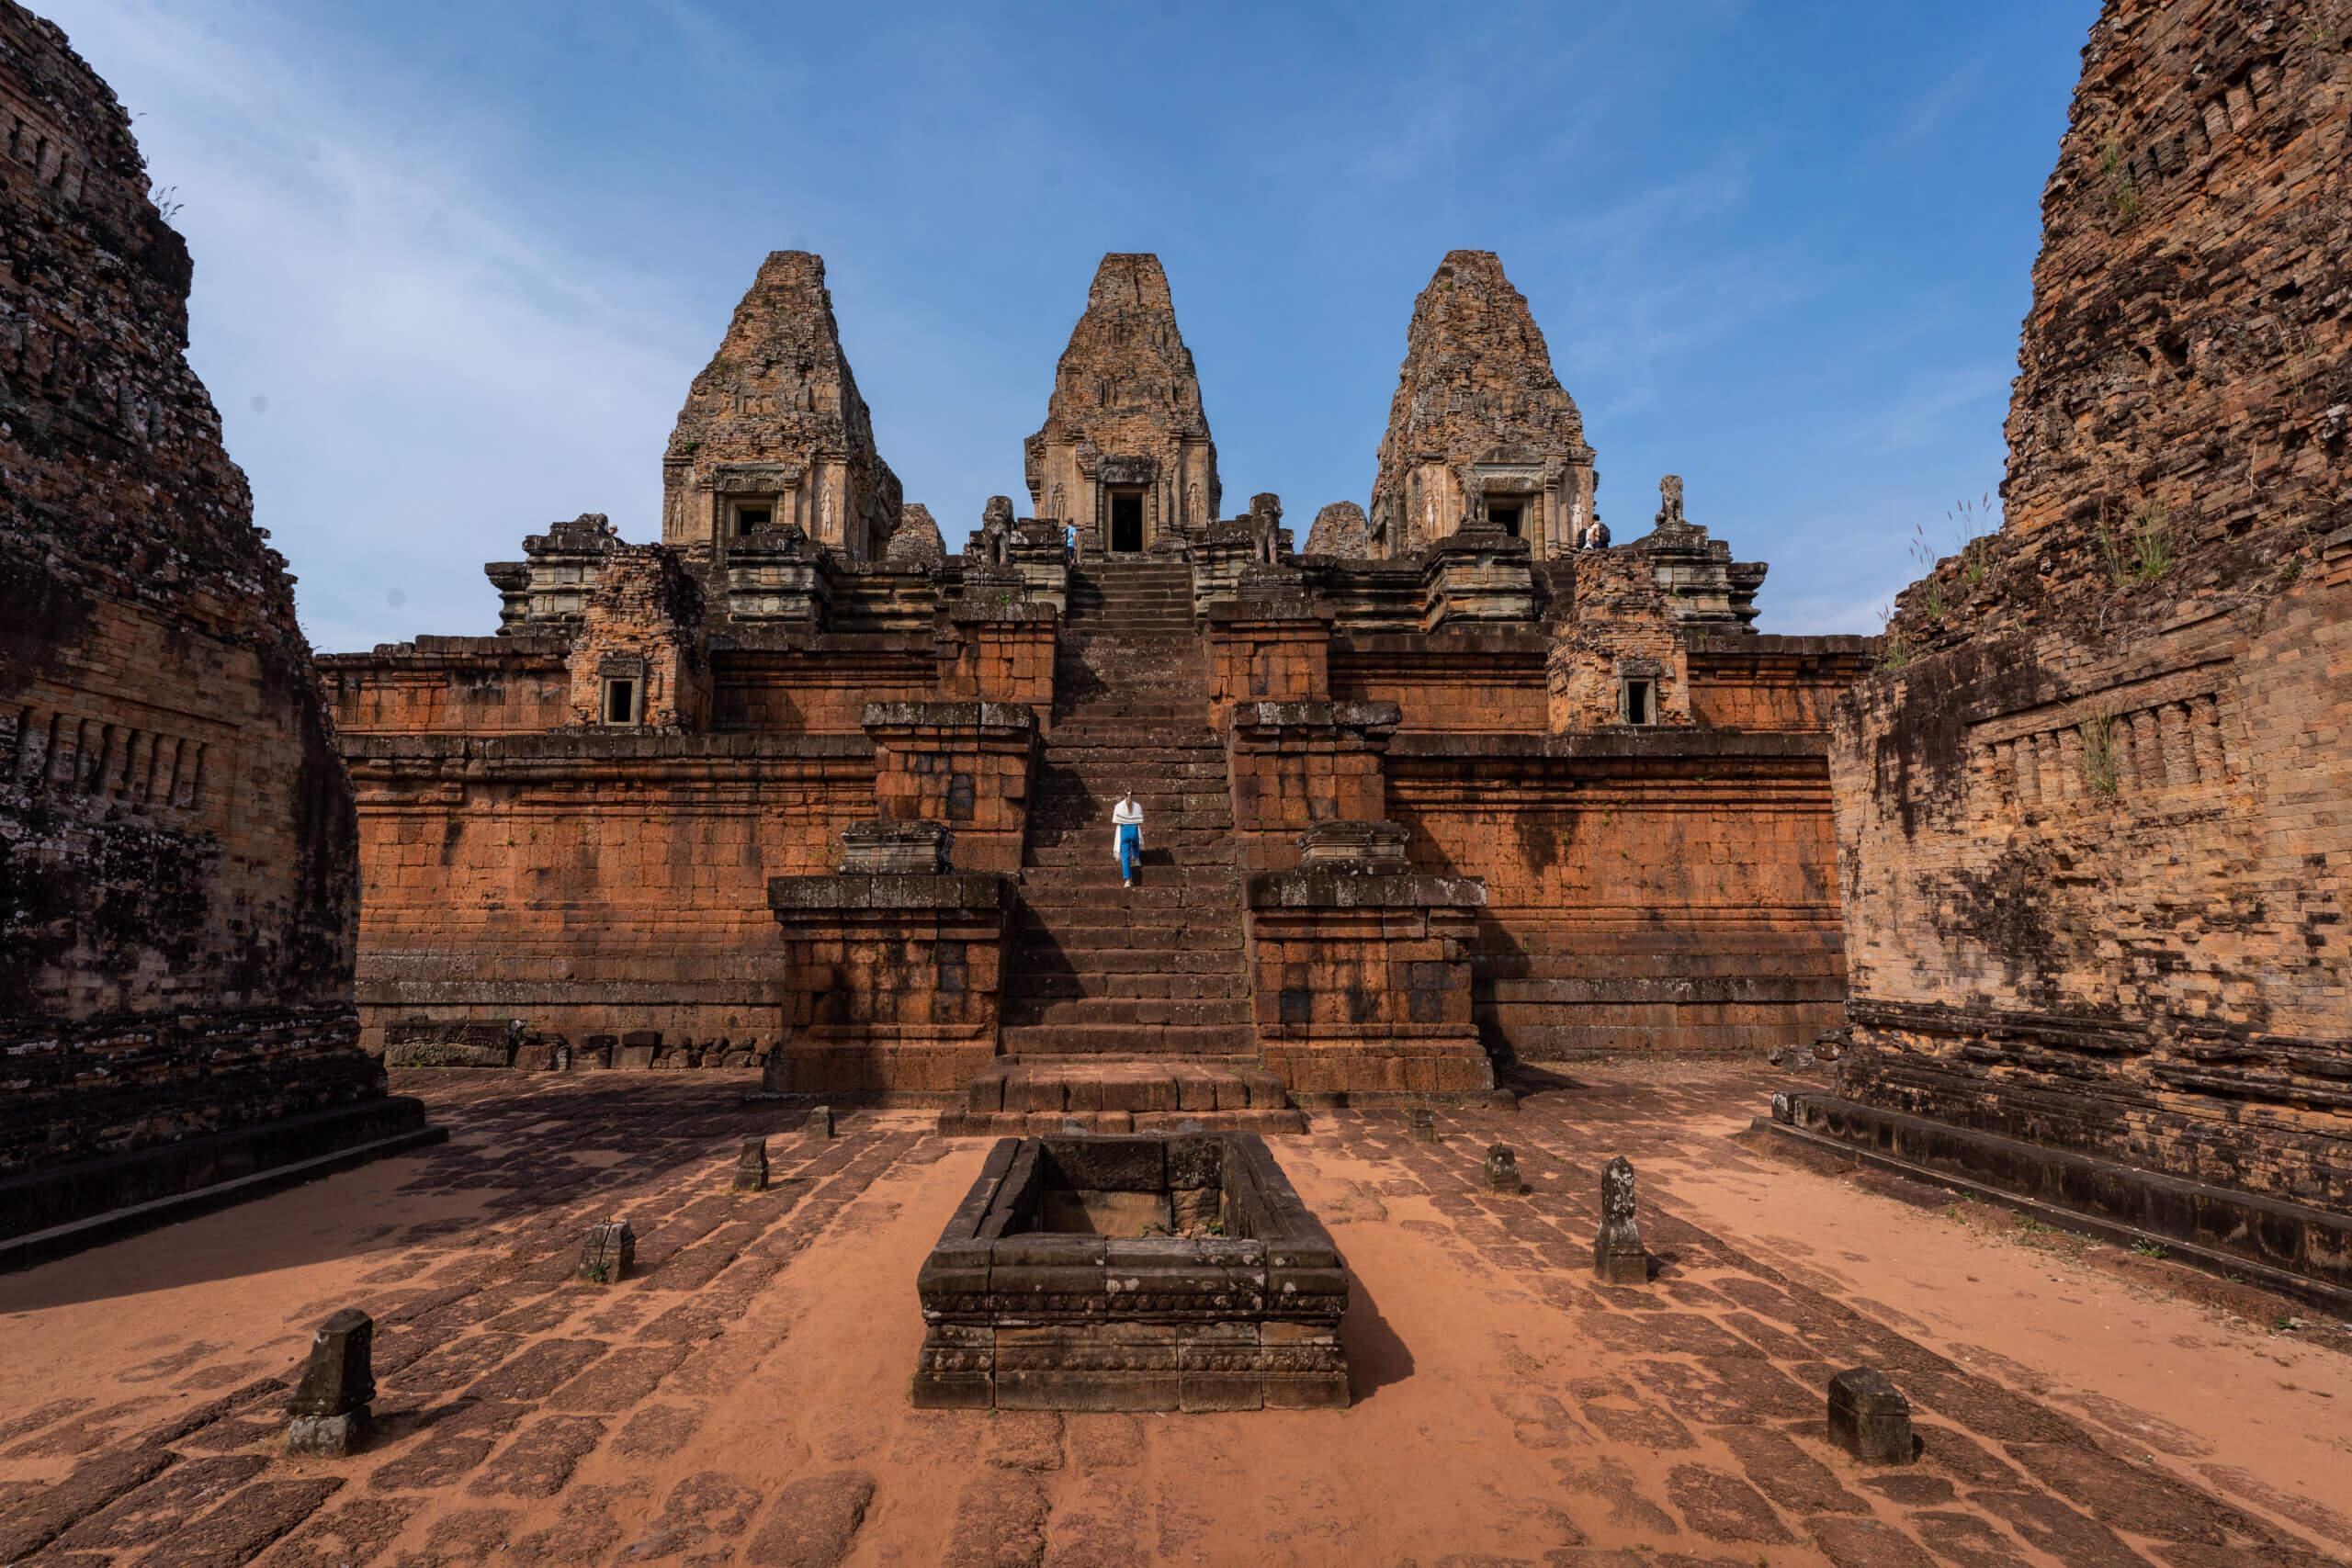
741, 1399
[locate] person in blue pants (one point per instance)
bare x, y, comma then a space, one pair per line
1126, 837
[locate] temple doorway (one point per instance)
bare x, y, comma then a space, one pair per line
1126, 522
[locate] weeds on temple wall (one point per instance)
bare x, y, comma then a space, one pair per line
2098, 754
1894, 650
1972, 525
2123, 191
2138, 549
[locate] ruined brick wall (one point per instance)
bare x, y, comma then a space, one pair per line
2089, 813
177, 875
1479, 421
1617, 629
593, 884
642, 622
1772, 682
1647, 891
1482, 680
775, 420
818, 683
1125, 413
500, 685
1292, 765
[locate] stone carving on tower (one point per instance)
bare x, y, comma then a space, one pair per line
1480, 425
774, 432
1124, 454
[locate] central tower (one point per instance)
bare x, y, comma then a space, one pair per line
1124, 456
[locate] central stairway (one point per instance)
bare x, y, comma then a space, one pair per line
1129, 1007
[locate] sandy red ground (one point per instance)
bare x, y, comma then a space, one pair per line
743, 1398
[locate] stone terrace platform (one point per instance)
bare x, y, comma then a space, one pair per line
744, 1397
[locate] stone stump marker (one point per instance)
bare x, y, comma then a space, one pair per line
610, 1253
819, 1125
1502, 1170
1617, 1255
1869, 1418
775, 1072
752, 1166
1424, 1124
329, 1404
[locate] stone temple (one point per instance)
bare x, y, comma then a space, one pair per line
676, 1077
775, 790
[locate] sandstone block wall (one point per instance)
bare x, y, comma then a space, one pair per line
2090, 811
176, 871
1647, 891
591, 885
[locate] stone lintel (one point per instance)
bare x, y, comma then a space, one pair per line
894, 848
1373, 718
1296, 615
1359, 846
969, 892
1363, 887
1000, 717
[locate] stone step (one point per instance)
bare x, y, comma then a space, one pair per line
1141, 947
1185, 1011
1046, 1123
1043, 987
1128, 1039
1133, 1085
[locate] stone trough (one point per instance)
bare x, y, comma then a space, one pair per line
1132, 1273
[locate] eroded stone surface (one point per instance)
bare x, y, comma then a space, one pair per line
2095, 889
1480, 426
749, 1409
178, 874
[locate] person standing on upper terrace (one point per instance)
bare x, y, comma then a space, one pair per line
1126, 837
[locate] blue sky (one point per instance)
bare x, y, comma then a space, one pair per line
457, 263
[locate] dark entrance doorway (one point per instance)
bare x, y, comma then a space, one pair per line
1505, 518
1126, 521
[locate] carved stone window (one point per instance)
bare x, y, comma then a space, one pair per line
620, 690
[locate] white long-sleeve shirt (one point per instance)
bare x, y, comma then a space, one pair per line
1126, 813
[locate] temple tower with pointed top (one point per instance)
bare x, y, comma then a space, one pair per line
1125, 448
1480, 425
773, 432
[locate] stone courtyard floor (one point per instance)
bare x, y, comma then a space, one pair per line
743, 1398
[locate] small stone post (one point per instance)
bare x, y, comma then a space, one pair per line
1502, 1170
1869, 1418
776, 1071
329, 1404
819, 1125
610, 1253
752, 1166
1617, 1255
1424, 1124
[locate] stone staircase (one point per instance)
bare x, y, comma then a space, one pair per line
1129, 1007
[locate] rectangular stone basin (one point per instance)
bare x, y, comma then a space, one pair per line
1132, 1273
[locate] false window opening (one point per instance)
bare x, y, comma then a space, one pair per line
1126, 520
1505, 518
1637, 701
620, 700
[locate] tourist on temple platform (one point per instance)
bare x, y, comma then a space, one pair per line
1126, 837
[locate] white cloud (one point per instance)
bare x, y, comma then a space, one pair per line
412, 379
